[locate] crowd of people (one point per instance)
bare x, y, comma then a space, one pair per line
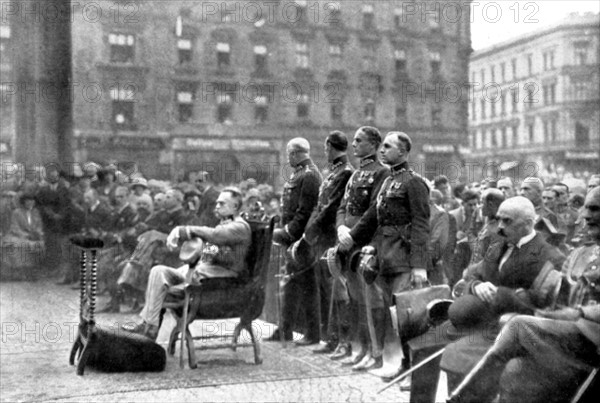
352, 236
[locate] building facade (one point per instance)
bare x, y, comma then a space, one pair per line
179, 86
537, 99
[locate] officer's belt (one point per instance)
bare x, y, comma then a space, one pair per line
389, 230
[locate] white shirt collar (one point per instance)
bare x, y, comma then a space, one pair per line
525, 239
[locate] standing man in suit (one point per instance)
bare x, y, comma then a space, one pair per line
321, 234
545, 358
300, 196
208, 200
532, 189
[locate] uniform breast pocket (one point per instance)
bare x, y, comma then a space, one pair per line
362, 197
288, 192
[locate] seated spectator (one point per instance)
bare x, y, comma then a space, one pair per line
547, 357
531, 188
491, 200
23, 246
223, 255
507, 187
502, 282
144, 207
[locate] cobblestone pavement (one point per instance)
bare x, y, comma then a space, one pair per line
39, 322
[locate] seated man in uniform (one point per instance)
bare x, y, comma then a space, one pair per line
546, 358
223, 255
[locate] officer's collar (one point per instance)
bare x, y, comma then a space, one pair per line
302, 164
227, 219
398, 169
367, 160
339, 161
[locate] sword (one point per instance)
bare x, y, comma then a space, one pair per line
281, 278
413, 369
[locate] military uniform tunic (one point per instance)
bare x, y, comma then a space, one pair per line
398, 223
300, 308
321, 226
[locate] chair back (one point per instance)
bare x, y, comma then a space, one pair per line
260, 248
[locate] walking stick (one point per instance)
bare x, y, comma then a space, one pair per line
413, 369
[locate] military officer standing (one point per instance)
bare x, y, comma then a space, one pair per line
397, 226
300, 196
321, 233
360, 193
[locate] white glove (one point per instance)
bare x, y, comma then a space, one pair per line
173, 239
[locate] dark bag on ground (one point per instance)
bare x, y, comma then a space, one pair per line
412, 309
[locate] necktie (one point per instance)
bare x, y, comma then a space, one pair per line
506, 256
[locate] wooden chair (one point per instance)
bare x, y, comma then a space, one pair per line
224, 298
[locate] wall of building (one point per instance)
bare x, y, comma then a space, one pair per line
545, 127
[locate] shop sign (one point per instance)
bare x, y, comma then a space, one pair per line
581, 155
438, 148
220, 144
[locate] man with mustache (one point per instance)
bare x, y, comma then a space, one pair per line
502, 282
545, 358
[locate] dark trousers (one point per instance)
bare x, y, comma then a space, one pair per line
300, 309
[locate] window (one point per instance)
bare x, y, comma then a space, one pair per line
482, 105
530, 98
514, 95
531, 132
369, 58
493, 109
515, 136
513, 64
435, 61
336, 111
368, 17
581, 53
184, 50
546, 131
552, 96
223, 54
503, 104
122, 48
303, 108
261, 110
553, 130
400, 61
579, 90
504, 140
302, 10
503, 72
493, 73
335, 50
473, 110
582, 135
401, 114
530, 64
398, 17
224, 108
123, 108
185, 101
482, 77
369, 112
260, 58
302, 54
436, 116
493, 138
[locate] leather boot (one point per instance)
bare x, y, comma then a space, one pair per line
479, 385
343, 350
